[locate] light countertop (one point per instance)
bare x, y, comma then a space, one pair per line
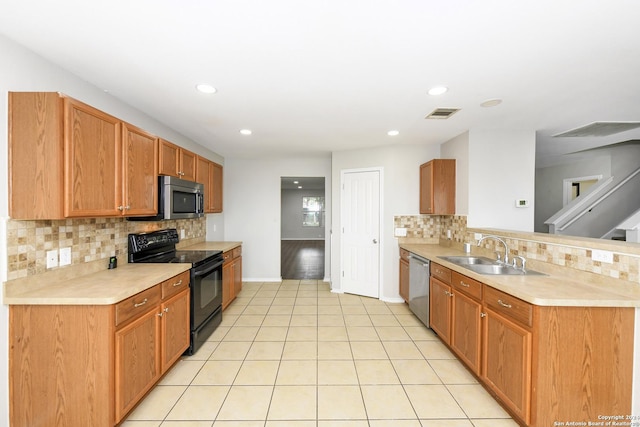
560, 287
212, 246
101, 288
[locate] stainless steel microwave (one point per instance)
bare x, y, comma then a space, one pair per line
177, 199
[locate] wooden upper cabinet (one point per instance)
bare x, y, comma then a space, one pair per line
216, 188
36, 164
438, 187
93, 159
140, 151
209, 174
175, 161
70, 160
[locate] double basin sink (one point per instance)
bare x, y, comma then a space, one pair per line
484, 265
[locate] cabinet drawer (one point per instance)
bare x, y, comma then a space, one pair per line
404, 254
137, 304
440, 272
466, 285
237, 252
509, 306
175, 285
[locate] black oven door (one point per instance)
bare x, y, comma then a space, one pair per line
206, 291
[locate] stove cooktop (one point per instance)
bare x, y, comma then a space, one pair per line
194, 258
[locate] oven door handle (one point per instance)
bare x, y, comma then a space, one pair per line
207, 268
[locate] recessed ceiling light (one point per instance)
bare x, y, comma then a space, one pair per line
491, 102
299, 186
296, 182
204, 88
393, 133
246, 131
437, 90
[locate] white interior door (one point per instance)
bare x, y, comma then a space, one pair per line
360, 222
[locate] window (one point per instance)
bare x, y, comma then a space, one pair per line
312, 211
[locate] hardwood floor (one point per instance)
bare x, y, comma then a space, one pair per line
302, 259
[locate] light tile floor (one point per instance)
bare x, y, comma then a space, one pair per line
293, 354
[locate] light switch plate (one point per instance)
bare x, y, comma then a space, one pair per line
65, 256
602, 256
400, 232
52, 258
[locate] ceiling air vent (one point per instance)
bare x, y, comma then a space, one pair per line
599, 129
442, 113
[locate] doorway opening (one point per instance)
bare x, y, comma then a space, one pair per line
302, 228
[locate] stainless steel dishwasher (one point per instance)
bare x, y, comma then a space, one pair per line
419, 287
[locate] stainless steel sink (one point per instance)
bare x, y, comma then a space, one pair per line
484, 265
468, 260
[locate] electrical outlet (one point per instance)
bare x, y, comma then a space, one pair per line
602, 256
65, 256
182, 234
52, 258
400, 232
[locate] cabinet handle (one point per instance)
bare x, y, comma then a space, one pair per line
120, 208
177, 284
505, 305
136, 305
483, 314
447, 293
466, 285
166, 310
127, 207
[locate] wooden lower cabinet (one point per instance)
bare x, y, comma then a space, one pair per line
231, 275
507, 363
137, 364
404, 275
440, 309
82, 365
544, 364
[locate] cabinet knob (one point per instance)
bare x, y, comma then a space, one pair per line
483, 314
120, 208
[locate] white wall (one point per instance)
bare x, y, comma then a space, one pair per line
550, 183
400, 196
252, 202
291, 214
501, 170
458, 148
24, 71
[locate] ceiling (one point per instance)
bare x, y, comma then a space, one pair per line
312, 77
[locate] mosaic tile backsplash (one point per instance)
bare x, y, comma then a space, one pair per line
90, 240
433, 229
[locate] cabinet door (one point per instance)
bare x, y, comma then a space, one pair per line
187, 165
36, 161
168, 159
440, 309
237, 276
140, 172
203, 176
426, 188
465, 330
137, 361
228, 288
506, 366
175, 328
404, 279
216, 188
93, 161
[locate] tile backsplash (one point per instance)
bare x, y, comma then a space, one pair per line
560, 251
89, 239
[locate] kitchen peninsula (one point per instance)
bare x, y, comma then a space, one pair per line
535, 341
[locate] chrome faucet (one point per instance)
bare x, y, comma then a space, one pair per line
506, 248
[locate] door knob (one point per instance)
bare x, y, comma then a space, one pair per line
375, 241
